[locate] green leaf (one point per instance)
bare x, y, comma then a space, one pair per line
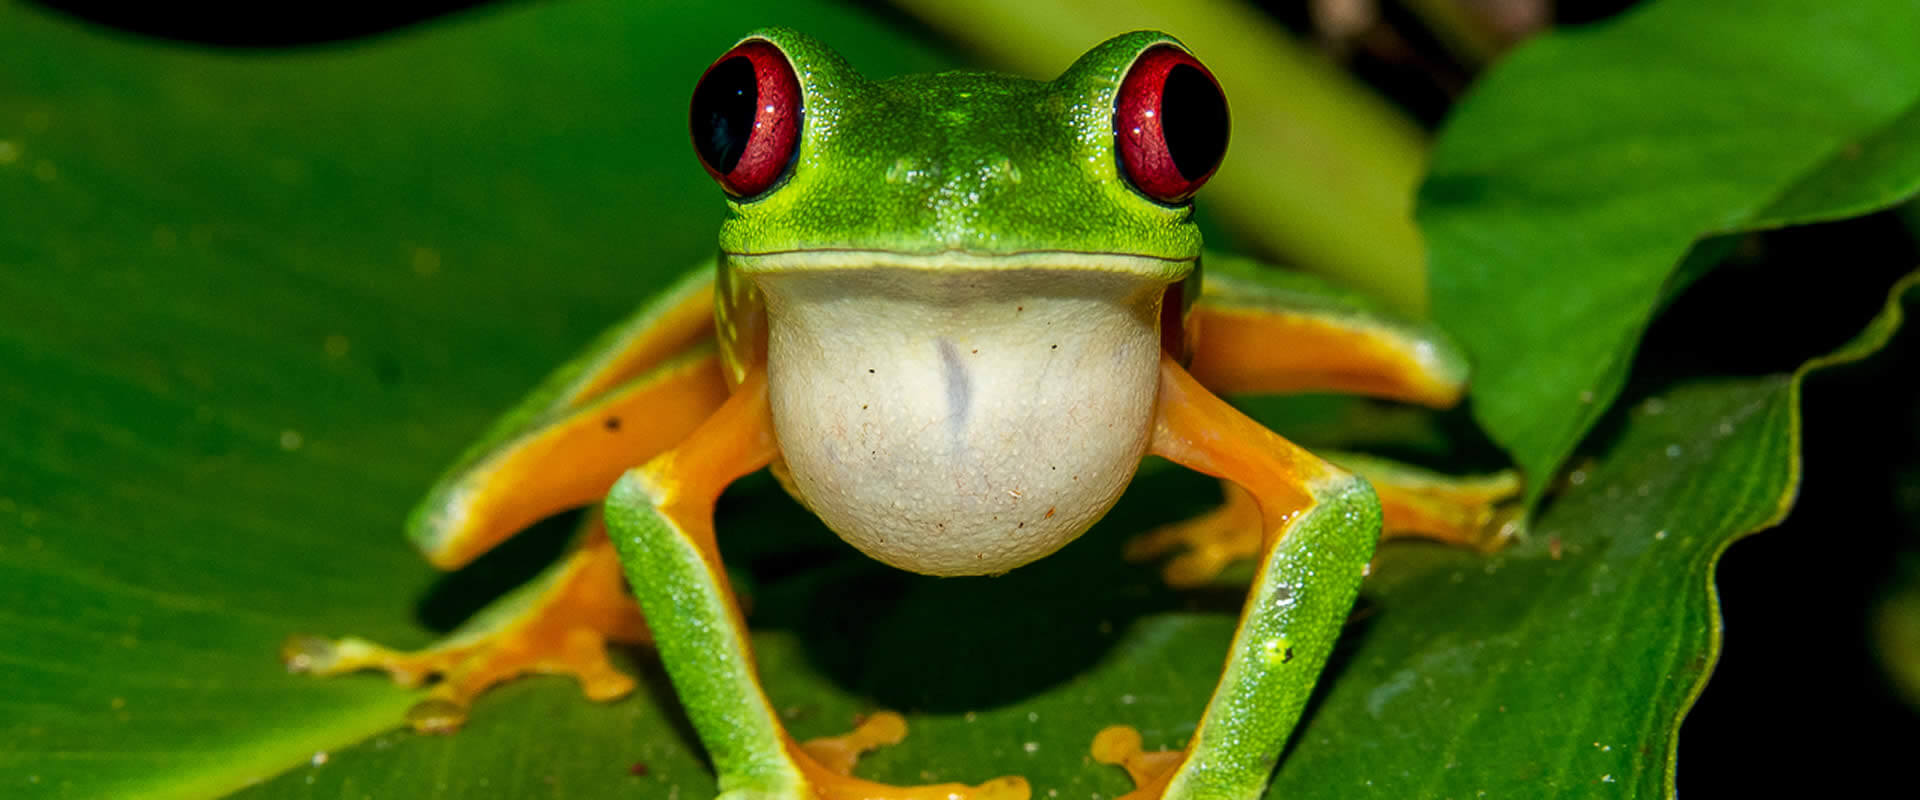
254, 303
1585, 645
1567, 188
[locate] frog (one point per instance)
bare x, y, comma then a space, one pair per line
951, 314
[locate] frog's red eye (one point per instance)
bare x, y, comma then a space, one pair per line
1170, 122
746, 118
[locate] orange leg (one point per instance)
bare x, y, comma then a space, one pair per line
1318, 357
567, 460
1261, 330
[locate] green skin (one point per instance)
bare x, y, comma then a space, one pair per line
974, 162
992, 167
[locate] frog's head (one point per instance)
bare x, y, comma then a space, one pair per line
964, 277
1094, 169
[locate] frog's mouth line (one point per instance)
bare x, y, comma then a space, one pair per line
851, 258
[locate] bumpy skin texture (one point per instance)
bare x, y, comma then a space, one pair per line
960, 162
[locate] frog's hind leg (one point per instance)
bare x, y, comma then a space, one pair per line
557, 624
634, 392
560, 622
660, 518
638, 390
1464, 511
1258, 330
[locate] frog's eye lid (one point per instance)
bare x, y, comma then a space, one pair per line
745, 118
1169, 124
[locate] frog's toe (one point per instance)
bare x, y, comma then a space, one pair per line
583, 655
557, 625
326, 657
838, 754
1119, 745
466, 668
1010, 787
437, 715
828, 763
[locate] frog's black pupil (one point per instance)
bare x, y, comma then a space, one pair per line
723, 108
1193, 116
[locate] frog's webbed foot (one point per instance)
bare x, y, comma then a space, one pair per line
1206, 544
1465, 511
838, 754
827, 763
559, 624
1119, 746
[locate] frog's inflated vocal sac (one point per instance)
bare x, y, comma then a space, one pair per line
952, 313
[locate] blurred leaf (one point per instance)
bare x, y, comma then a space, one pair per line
1896, 633
1568, 186
1895, 618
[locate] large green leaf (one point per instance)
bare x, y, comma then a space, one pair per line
251, 304
1587, 643
1566, 189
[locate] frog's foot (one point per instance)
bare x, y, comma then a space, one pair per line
1119, 745
1461, 511
828, 762
838, 754
559, 624
1207, 543
1464, 511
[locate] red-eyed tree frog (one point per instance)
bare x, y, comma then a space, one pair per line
951, 313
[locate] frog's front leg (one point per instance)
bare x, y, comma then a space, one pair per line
661, 520
560, 622
1319, 526
636, 391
